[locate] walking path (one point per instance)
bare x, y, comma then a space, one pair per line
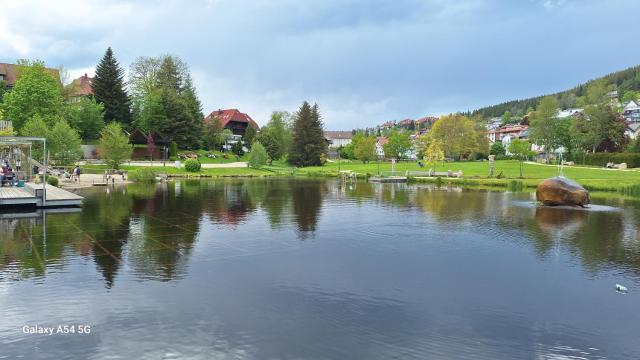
238, 164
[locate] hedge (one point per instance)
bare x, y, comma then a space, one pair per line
602, 158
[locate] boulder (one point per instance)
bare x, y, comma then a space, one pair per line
561, 191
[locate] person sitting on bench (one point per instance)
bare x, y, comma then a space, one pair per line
8, 176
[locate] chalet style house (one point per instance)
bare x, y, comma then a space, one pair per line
233, 120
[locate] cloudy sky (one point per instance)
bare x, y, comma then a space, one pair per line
362, 61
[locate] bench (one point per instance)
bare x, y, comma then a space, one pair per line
432, 173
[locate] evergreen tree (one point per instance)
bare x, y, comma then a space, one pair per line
178, 119
194, 109
249, 136
108, 89
308, 146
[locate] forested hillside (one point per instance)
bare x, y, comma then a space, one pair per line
626, 82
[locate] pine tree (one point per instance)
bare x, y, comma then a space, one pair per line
194, 109
309, 144
108, 89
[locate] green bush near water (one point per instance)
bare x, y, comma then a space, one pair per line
143, 175
192, 165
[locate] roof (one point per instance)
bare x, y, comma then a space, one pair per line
634, 126
11, 74
382, 140
81, 86
509, 129
427, 119
229, 115
338, 135
631, 106
406, 122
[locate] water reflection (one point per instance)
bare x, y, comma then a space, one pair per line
157, 226
441, 272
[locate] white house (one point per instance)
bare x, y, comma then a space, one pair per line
568, 113
633, 130
380, 145
338, 138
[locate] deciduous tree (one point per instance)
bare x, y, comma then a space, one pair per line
364, 148
397, 146
86, 117
456, 134
257, 156
114, 147
36, 93
521, 149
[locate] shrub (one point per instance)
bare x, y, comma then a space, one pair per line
258, 155
143, 175
602, 158
192, 165
52, 180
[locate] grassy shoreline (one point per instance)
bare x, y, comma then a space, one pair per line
475, 174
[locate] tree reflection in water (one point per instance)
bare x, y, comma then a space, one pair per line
154, 227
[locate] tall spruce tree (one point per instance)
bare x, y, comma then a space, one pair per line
108, 89
308, 144
194, 108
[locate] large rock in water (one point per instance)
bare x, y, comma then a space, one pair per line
561, 191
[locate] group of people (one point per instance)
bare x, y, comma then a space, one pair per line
75, 174
8, 174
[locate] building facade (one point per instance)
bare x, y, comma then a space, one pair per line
233, 119
338, 139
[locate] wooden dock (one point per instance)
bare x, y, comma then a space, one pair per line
31, 195
388, 179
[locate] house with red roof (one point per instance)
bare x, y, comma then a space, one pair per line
233, 120
80, 88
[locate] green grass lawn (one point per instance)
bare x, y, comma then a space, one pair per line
475, 173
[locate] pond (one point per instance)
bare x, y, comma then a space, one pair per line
316, 269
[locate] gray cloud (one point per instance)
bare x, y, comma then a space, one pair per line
363, 61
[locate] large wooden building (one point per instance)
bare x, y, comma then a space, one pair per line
233, 120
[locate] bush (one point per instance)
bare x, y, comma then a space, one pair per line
143, 175
192, 165
602, 158
52, 180
257, 156
503, 157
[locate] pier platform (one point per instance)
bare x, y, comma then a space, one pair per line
31, 195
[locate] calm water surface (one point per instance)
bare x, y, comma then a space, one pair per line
286, 269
